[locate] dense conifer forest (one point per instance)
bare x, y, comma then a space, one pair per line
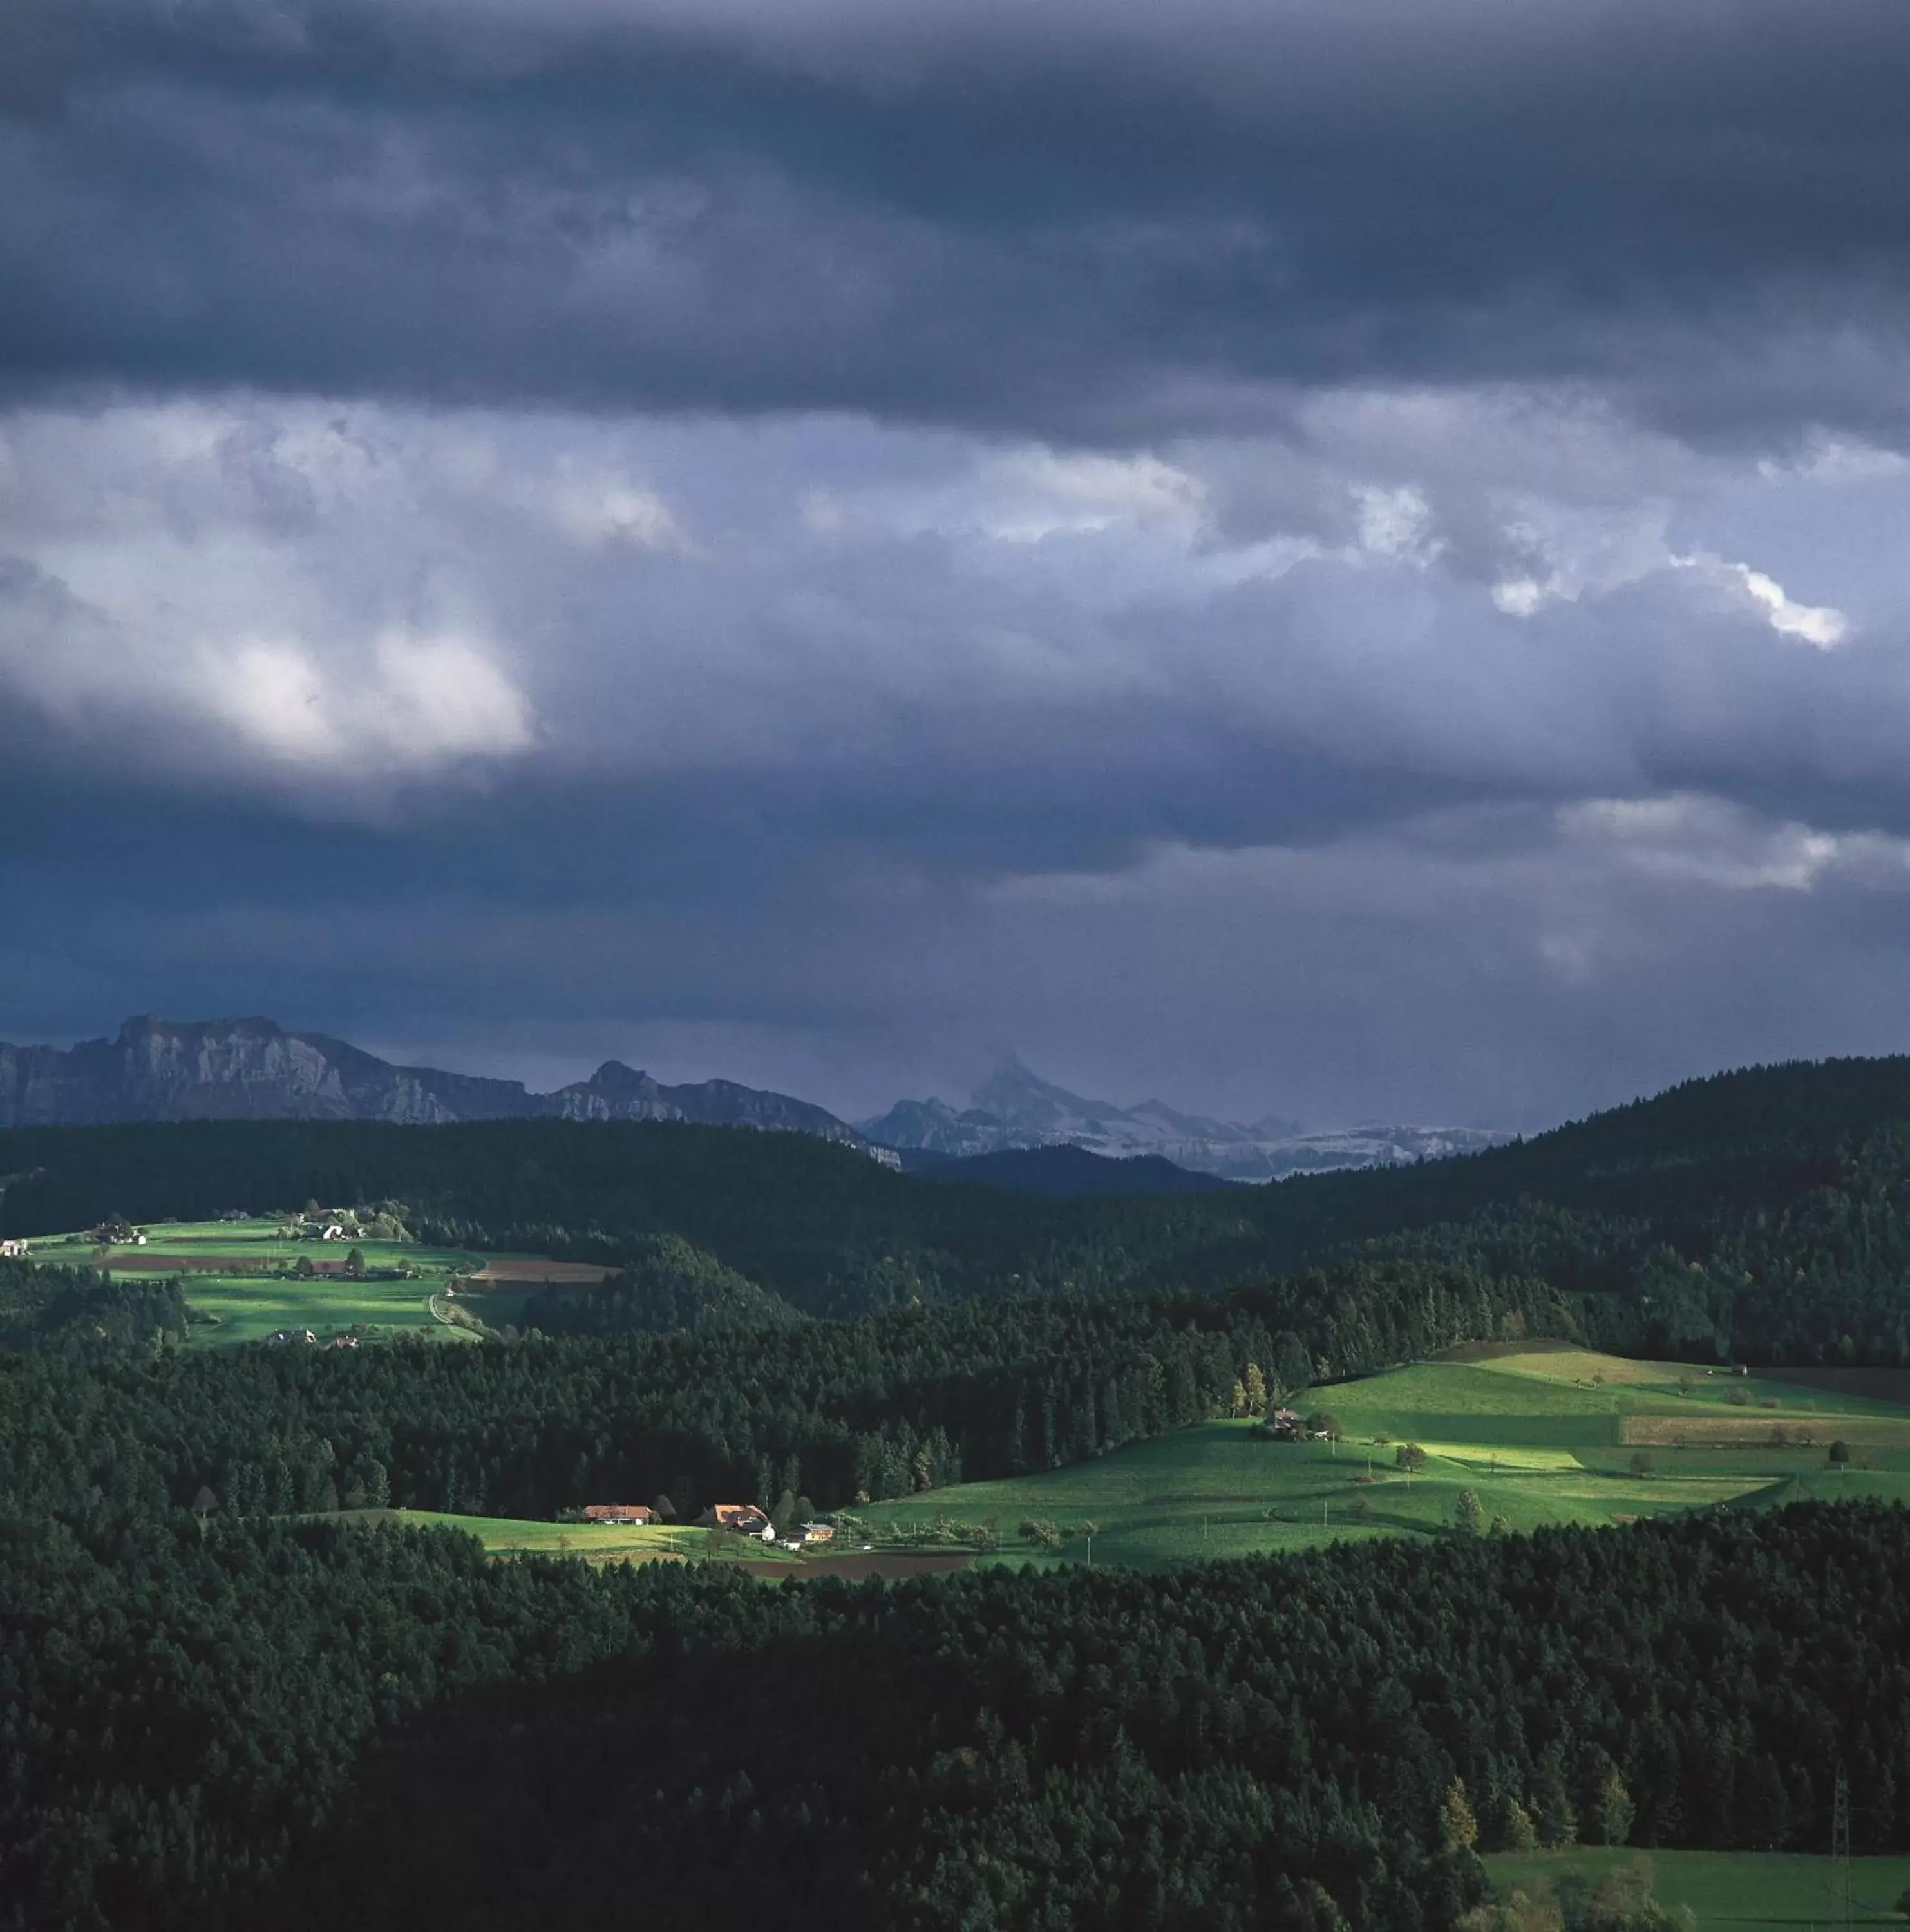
883, 1406
215, 1713
190, 1708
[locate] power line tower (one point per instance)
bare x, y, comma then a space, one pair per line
1841, 1901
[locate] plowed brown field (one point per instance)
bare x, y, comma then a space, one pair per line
535, 1270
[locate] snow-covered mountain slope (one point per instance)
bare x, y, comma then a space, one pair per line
1015, 1107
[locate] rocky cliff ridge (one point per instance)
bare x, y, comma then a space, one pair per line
158, 1070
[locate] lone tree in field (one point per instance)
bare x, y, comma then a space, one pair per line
1042, 1534
1840, 1458
1640, 1464
1468, 1514
1410, 1457
355, 1265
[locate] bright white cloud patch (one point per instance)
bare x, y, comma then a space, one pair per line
1708, 842
1818, 625
1396, 523
1815, 623
607, 509
407, 704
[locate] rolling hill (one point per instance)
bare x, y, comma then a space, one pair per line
1765, 1212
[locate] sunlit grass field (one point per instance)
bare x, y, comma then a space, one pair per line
252, 1299
1538, 1435
1536, 1438
1730, 1891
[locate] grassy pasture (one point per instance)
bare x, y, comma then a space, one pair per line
1728, 1891
239, 1272
1539, 1436
634, 1543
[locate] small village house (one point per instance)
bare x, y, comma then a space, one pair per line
12, 1251
619, 1513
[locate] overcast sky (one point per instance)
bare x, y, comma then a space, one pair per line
1346, 557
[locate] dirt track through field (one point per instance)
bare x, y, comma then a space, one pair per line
535, 1271
890, 1563
148, 1260
1768, 1430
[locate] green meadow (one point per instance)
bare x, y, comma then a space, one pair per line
1728, 1891
240, 1279
1538, 1435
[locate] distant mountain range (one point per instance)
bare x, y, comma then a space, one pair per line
253, 1070
157, 1070
1015, 1107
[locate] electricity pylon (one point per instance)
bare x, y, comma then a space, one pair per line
1841, 1901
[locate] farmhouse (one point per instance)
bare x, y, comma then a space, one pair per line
1287, 1425
619, 1513
12, 1251
279, 1336
744, 1518
818, 1532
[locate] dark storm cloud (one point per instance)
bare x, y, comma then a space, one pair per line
1340, 558
1110, 220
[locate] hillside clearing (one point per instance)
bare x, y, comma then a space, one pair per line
1533, 1449
243, 1281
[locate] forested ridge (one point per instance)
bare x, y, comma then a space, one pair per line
884, 1406
1762, 1215
186, 1709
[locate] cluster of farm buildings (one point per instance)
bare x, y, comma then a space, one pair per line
280, 1337
743, 1519
1288, 1425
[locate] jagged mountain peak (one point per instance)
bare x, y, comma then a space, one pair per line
1015, 1108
